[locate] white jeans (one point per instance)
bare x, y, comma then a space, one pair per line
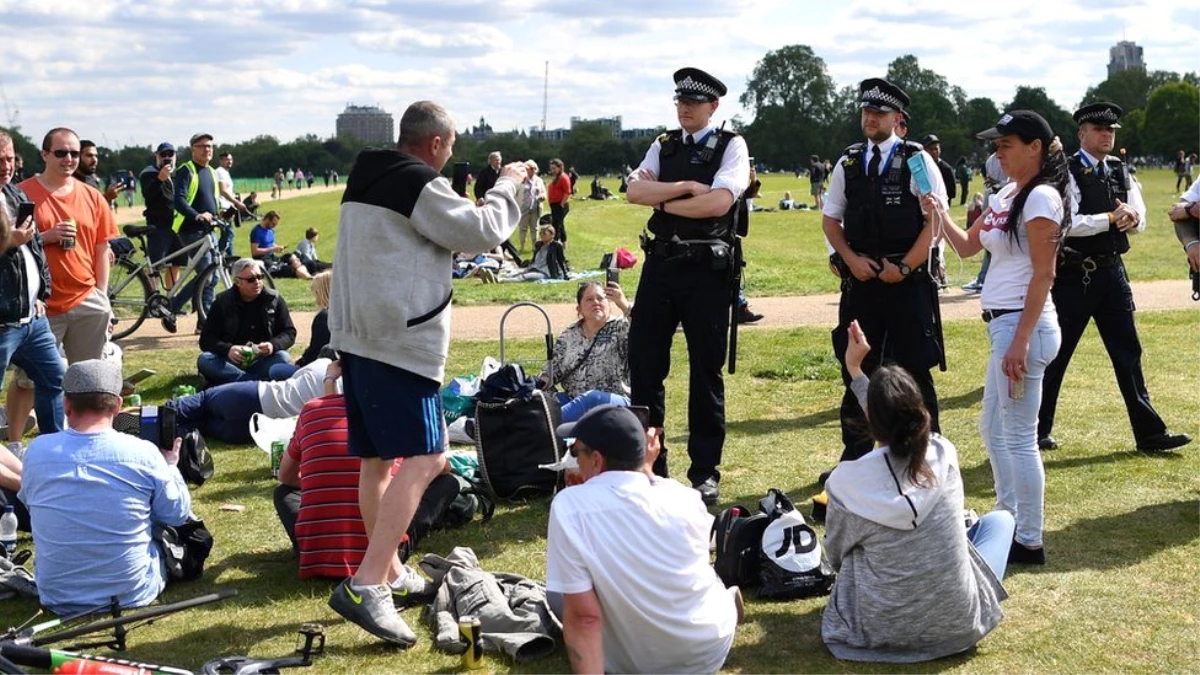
1009, 425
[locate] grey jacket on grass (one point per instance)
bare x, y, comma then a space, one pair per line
515, 616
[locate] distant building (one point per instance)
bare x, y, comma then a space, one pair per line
549, 134
645, 132
481, 132
1125, 55
613, 124
370, 124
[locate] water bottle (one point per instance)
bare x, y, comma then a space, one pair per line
8, 532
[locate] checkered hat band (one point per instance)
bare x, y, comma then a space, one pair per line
688, 84
877, 95
1099, 116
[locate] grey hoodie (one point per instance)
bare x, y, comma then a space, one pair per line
910, 586
399, 224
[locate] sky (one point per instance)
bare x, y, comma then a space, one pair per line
125, 72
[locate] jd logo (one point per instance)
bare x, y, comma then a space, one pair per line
800, 537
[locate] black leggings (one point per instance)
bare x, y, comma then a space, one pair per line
558, 216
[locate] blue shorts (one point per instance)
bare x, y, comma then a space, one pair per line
391, 412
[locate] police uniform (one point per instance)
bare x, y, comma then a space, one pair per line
873, 195
687, 280
1092, 283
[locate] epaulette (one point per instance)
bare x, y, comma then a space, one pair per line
910, 147
855, 149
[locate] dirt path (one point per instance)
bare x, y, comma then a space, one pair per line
483, 322
127, 215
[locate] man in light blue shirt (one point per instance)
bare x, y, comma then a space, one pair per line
95, 496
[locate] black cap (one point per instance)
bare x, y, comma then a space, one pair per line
611, 430
1024, 122
929, 140
696, 85
1103, 113
880, 94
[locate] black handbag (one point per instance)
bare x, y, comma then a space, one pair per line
195, 461
514, 433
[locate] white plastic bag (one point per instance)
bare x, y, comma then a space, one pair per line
267, 430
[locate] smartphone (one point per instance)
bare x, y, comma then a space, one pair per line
612, 275
917, 166
148, 429
642, 413
1016, 389
24, 212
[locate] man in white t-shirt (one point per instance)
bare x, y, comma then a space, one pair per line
630, 558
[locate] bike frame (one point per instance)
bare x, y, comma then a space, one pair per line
201, 247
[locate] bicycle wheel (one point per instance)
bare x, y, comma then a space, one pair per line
129, 292
216, 274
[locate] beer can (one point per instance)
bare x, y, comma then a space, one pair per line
133, 400
247, 355
68, 242
277, 448
470, 633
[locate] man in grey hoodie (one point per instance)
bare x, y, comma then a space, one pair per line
389, 317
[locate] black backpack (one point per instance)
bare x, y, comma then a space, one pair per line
738, 536
195, 461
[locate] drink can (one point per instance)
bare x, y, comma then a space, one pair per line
247, 355
133, 400
277, 449
68, 242
470, 633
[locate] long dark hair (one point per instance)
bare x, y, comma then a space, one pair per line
897, 417
1053, 173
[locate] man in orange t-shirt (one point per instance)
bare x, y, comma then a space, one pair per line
77, 252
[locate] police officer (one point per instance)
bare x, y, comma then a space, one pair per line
874, 222
1106, 207
692, 177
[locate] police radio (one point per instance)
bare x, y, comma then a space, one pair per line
916, 165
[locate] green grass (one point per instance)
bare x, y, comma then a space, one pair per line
785, 251
1120, 594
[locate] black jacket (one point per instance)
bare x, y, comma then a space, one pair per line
320, 338
486, 181
556, 259
14, 286
159, 197
233, 321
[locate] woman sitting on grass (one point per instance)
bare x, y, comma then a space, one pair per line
549, 262
591, 357
913, 584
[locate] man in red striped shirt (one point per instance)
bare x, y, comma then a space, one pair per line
317, 499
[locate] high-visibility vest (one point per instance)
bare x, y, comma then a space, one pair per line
194, 187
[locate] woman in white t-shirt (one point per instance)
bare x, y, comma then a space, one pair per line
1021, 227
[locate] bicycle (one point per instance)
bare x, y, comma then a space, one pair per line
135, 286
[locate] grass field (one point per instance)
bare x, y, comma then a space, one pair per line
1121, 592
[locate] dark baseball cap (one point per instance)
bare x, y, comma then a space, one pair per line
164, 147
1026, 123
611, 430
931, 139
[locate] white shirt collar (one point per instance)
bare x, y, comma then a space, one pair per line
619, 478
884, 147
700, 134
1092, 161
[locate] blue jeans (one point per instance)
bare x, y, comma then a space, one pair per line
221, 412
574, 408
219, 370
32, 348
1009, 425
992, 537
185, 294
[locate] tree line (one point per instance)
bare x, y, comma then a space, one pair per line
800, 111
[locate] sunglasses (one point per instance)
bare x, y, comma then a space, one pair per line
167, 153
63, 153
253, 279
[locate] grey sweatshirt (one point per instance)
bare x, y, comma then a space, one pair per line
399, 224
910, 586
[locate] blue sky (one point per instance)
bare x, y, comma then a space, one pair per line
135, 73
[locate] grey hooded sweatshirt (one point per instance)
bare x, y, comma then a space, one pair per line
910, 587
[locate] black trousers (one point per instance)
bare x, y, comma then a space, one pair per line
898, 322
437, 498
1108, 299
558, 218
670, 293
964, 185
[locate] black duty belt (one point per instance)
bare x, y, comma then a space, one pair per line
989, 314
1088, 263
677, 249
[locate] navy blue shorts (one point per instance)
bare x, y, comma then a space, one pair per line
391, 412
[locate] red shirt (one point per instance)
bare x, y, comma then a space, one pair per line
559, 190
329, 528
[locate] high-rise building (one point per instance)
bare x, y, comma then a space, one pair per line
1125, 55
368, 123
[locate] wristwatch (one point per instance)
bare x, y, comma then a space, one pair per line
905, 270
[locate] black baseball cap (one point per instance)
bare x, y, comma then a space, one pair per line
613, 431
1026, 123
931, 139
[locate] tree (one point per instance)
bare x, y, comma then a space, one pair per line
1061, 122
1171, 114
1130, 89
795, 78
931, 107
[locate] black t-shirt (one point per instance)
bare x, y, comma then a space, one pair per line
816, 173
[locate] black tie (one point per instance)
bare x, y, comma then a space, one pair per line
873, 165
688, 140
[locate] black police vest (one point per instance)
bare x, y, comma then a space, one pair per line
1100, 195
883, 217
675, 163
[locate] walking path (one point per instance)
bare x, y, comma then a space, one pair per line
128, 215
482, 322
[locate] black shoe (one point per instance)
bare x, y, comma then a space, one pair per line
710, 493
1164, 441
823, 477
746, 316
1023, 555
168, 324
1047, 443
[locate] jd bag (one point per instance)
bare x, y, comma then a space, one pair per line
793, 562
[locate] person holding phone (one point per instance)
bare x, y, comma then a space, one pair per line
1022, 228
591, 358
25, 336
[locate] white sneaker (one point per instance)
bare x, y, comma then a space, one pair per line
410, 588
